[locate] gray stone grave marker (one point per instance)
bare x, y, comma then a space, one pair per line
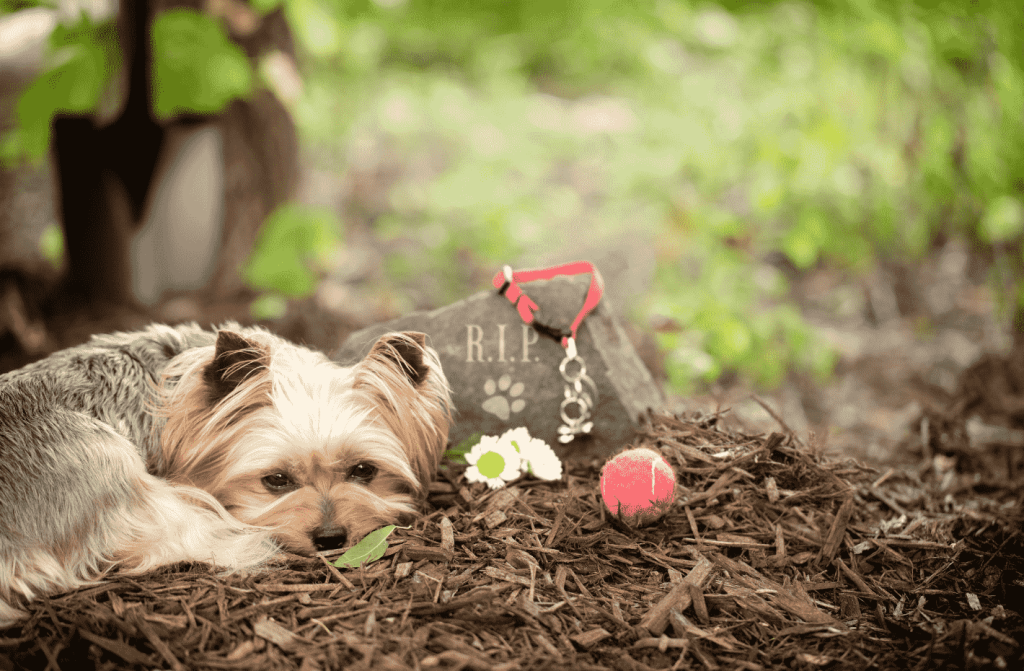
504, 373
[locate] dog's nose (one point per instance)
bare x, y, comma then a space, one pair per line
332, 539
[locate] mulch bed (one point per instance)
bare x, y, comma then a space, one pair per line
774, 557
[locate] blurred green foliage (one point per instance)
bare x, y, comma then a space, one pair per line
835, 133
268, 306
739, 143
196, 68
51, 245
84, 57
295, 244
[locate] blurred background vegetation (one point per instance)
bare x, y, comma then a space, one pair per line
712, 154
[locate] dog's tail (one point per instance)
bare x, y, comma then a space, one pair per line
177, 523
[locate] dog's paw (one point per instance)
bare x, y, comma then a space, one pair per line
497, 404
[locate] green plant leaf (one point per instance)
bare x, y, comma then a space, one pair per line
196, 67
368, 550
458, 453
85, 56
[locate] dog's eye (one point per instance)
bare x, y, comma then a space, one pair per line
277, 481
364, 472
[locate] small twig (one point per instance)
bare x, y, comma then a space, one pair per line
158, 644
854, 578
887, 500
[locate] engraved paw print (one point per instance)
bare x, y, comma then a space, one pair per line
499, 406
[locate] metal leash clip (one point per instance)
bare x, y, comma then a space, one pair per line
584, 399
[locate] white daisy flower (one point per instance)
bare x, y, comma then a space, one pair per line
520, 439
545, 464
492, 461
538, 458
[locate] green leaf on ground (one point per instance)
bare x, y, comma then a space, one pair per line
368, 550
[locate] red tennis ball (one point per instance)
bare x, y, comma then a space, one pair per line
639, 485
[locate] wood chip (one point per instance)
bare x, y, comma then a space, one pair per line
656, 619
119, 648
447, 537
505, 576
420, 552
854, 578
700, 607
273, 632
494, 518
837, 531
589, 639
158, 644
690, 453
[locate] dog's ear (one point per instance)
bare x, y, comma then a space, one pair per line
406, 351
235, 360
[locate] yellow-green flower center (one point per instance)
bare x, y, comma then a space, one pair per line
491, 464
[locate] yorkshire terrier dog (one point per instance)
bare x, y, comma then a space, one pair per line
175, 444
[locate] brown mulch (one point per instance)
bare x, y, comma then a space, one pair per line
979, 429
772, 558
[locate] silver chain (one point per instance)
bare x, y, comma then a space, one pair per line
575, 394
584, 400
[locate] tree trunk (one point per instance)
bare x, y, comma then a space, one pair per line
108, 177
